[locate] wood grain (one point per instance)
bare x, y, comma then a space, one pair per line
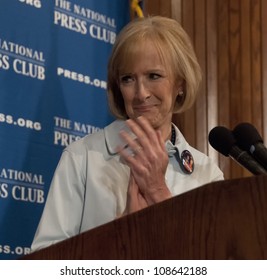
222, 220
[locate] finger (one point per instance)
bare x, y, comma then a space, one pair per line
137, 149
146, 127
146, 139
140, 133
161, 140
132, 155
133, 144
132, 187
154, 139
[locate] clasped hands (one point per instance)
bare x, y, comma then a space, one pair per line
147, 162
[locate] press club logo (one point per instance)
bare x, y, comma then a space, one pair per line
23, 60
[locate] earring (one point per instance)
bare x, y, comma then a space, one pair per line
180, 93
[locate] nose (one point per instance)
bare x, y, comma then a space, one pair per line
141, 91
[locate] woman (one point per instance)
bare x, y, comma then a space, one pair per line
139, 159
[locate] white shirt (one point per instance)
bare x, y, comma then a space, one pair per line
90, 184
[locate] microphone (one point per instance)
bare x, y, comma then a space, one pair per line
223, 140
249, 139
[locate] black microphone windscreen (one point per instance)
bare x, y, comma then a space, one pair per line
222, 140
246, 135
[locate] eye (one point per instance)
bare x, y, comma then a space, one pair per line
125, 79
154, 76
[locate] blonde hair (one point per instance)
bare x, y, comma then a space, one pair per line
175, 49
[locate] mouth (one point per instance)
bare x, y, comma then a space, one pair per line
143, 108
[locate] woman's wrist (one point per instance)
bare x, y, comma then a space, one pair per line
158, 195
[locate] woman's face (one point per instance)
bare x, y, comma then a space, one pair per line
148, 89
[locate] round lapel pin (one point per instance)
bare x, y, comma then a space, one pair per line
187, 161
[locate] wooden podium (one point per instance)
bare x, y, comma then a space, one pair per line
221, 220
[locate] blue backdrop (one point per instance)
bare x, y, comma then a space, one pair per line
53, 60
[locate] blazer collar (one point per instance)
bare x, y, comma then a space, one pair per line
113, 139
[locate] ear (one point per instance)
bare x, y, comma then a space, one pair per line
180, 87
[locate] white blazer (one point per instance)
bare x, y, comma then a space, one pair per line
90, 184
